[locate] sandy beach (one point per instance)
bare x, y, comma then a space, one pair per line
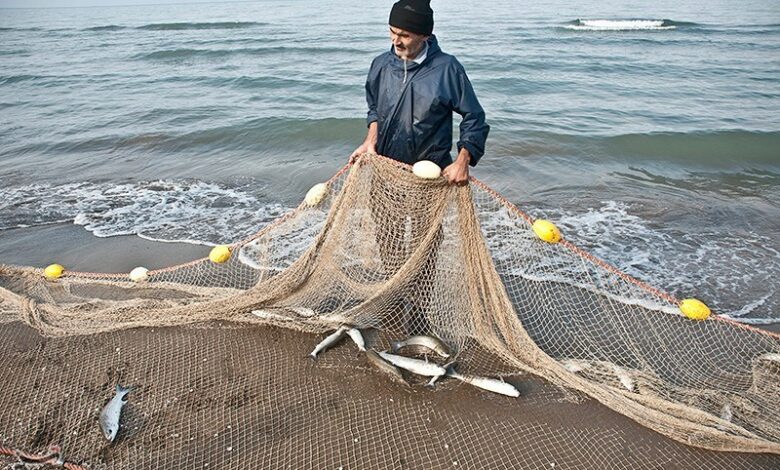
252, 388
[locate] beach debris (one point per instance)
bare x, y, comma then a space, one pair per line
109, 417
428, 342
385, 367
139, 274
53, 271
220, 254
695, 309
416, 366
329, 341
316, 194
726, 413
26, 460
357, 338
770, 357
575, 365
625, 379
546, 231
485, 383
426, 169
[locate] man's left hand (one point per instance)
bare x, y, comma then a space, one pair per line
458, 172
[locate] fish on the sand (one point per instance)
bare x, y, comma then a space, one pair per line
354, 333
329, 341
385, 367
428, 342
109, 417
416, 366
485, 383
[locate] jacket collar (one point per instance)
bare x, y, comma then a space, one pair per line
433, 49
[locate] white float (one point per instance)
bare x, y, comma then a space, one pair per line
139, 274
426, 169
316, 194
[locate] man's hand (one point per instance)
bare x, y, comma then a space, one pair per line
365, 147
368, 145
458, 172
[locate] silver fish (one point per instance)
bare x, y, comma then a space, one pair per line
416, 366
429, 342
354, 333
109, 417
332, 339
376, 360
436, 378
491, 385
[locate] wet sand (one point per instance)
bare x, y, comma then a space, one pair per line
77, 249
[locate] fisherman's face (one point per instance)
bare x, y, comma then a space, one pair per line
406, 44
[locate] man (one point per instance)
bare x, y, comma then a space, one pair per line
412, 91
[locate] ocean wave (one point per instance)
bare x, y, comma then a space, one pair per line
254, 136
163, 210
624, 25
110, 27
210, 25
715, 148
732, 273
190, 53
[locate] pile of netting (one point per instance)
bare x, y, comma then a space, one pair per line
215, 353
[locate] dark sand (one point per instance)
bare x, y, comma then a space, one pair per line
78, 250
238, 396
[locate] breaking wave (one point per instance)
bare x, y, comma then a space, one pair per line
623, 25
210, 25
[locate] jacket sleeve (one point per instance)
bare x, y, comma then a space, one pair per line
372, 91
473, 128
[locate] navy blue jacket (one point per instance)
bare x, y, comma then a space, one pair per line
414, 119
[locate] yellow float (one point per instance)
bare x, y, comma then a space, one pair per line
53, 271
220, 254
695, 309
547, 231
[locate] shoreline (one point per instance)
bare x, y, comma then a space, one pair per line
79, 250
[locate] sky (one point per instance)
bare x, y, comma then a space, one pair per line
87, 3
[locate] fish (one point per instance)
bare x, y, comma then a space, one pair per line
485, 383
388, 369
109, 417
429, 342
354, 333
416, 366
436, 378
332, 339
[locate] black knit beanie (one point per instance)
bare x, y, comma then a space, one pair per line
414, 16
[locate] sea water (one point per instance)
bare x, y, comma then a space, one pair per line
649, 132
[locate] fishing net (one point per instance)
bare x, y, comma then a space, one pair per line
215, 353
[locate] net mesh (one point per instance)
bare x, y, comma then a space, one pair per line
215, 352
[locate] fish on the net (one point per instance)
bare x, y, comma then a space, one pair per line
416, 366
385, 367
485, 383
329, 341
357, 338
428, 342
112, 412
